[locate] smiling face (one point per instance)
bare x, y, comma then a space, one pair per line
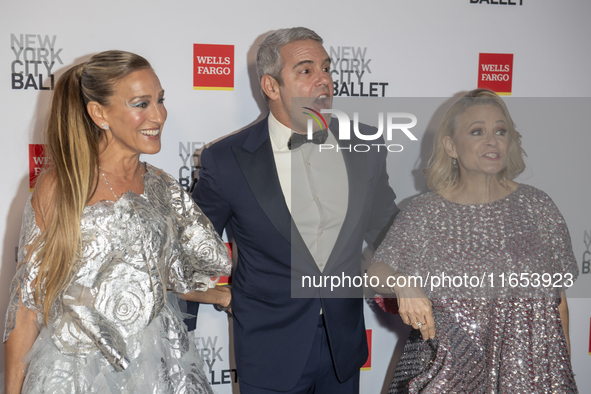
480, 142
136, 113
306, 73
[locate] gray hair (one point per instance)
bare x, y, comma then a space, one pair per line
269, 53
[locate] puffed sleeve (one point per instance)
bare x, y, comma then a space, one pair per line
202, 255
22, 287
554, 232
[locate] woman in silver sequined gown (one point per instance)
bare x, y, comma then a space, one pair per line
470, 337
111, 327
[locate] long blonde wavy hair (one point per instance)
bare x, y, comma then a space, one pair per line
441, 173
72, 143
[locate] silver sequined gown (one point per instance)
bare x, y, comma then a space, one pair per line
502, 342
113, 329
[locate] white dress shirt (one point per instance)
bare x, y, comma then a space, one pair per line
315, 187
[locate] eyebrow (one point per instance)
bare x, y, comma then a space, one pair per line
327, 60
482, 122
147, 96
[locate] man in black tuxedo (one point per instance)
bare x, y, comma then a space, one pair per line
295, 213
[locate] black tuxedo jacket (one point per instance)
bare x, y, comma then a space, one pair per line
273, 331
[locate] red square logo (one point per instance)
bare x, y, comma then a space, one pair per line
226, 280
495, 72
367, 365
213, 67
37, 161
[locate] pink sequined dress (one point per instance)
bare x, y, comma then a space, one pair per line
506, 339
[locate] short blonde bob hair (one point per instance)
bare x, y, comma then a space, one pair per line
441, 173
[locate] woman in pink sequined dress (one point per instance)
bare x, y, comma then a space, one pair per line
479, 225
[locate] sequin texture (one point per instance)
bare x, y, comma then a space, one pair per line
494, 344
114, 329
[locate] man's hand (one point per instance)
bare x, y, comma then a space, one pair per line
219, 295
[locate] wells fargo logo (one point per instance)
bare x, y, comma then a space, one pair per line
367, 365
226, 280
37, 161
213, 67
495, 72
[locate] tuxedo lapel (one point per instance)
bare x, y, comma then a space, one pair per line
256, 161
356, 166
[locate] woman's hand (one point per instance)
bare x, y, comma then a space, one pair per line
17, 346
413, 305
415, 310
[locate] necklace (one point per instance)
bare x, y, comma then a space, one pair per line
107, 182
109, 185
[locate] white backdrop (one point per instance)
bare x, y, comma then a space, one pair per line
419, 49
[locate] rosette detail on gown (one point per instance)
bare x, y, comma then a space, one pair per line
114, 329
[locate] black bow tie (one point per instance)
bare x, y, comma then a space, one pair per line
296, 140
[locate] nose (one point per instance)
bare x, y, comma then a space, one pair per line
158, 113
325, 78
491, 139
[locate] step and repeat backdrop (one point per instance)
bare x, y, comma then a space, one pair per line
419, 54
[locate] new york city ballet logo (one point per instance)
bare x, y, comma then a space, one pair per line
495, 72
213, 67
586, 265
350, 68
35, 58
498, 2
214, 356
190, 155
392, 124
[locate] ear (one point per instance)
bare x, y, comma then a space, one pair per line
270, 86
449, 146
97, 114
